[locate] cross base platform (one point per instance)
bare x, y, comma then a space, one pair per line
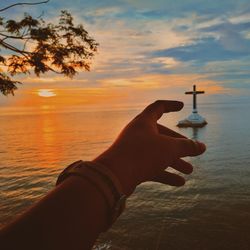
194, 120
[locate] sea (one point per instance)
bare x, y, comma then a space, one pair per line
212, 210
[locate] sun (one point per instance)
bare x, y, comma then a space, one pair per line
46, 92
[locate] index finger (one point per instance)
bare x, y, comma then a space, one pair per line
155, 110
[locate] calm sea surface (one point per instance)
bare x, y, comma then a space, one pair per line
212, 211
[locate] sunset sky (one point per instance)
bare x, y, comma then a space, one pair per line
148, 50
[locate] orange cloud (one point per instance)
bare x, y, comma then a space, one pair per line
171, 81
113, 92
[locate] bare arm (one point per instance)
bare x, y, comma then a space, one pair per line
70, 217
73, 214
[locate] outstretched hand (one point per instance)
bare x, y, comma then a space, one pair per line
144, 149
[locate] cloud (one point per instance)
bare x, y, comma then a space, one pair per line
231, 35
204, 50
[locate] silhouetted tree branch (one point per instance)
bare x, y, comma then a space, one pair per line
16, 4
32, 45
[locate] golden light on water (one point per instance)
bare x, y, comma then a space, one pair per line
46, 92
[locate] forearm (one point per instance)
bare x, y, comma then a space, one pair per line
69, 217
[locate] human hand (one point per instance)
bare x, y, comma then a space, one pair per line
144, 149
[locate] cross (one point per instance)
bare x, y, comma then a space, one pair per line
194, 93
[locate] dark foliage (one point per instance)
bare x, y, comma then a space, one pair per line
32, 45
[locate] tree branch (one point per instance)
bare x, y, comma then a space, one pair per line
10, 47
15, 37
10, 6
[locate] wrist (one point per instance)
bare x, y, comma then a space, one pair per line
120, 171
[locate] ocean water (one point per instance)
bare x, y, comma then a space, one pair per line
212, 211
